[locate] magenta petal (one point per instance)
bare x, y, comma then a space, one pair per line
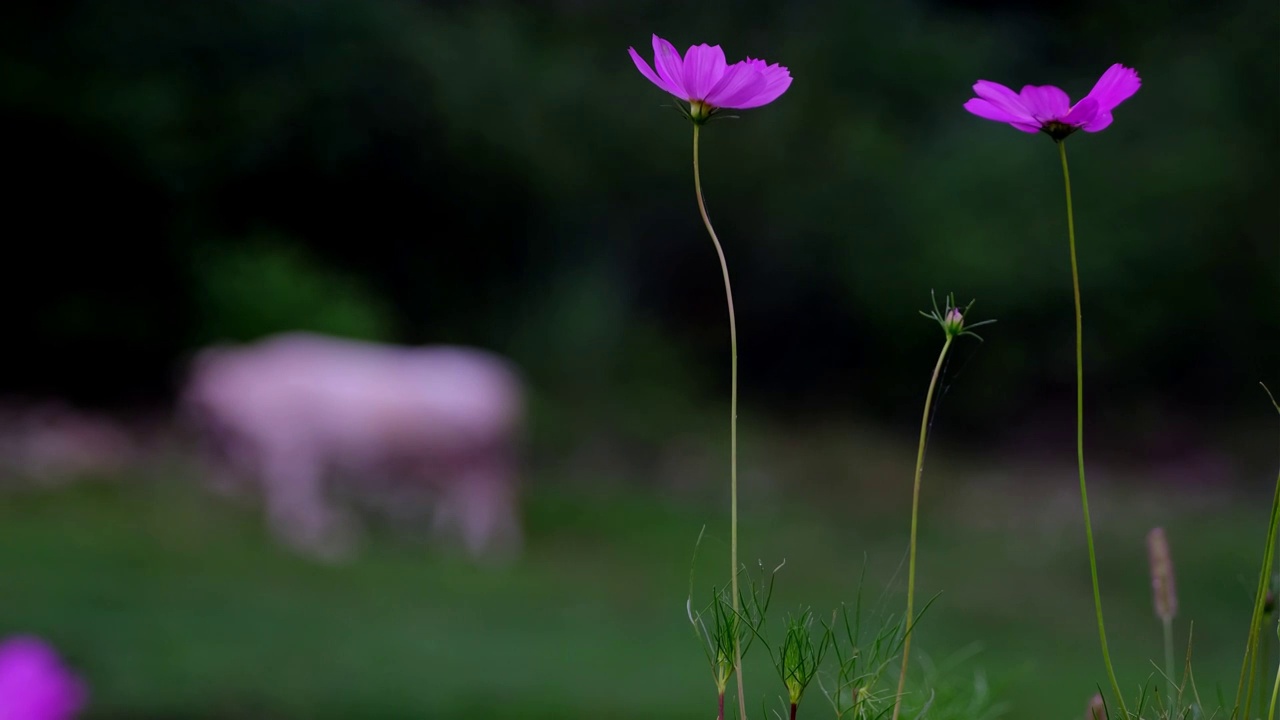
1002, 98
984, 109
776, 81
704, 65
1116, 85
34, 685
1083, 113
1101, 121
740, 84
1045, 102
648, 72
669, 66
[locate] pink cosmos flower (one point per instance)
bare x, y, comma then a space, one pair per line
708, 83
34, 685
1047, 109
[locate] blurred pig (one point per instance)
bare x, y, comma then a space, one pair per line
311, 418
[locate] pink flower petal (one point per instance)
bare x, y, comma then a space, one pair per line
1099, 122
33, 683
1045, 102
1082, 114
984, 109
704, 65
670, 68
1003, 98
740, 84
648, 72
1116, 85
776, 81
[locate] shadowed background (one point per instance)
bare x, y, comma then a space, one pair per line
499, 174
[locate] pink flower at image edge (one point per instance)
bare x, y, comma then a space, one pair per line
704, 79
34, 684
1045, 108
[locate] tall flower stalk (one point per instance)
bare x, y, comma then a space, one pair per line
1084, 490
708, 84
952, 321
1048, 109
733, 421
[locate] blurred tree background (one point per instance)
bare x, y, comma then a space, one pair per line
498, 174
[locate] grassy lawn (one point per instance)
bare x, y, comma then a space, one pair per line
176, 605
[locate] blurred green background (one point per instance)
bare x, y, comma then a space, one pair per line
499, 174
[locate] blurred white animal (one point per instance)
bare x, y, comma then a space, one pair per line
295, 411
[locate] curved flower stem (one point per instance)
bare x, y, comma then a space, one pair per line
1084, 493
915, 513
733, 430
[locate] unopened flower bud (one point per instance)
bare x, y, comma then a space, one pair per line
953, 323
800, 657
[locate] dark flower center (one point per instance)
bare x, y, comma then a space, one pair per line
1058, 130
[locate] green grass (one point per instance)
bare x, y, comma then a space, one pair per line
177, 605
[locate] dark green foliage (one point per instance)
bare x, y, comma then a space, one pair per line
469, 162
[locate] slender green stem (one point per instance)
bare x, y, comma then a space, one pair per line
1168, 658
1265, 654
733, 430
1084, 492
1251, 648
915, 515
1275, 689
1248, 667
